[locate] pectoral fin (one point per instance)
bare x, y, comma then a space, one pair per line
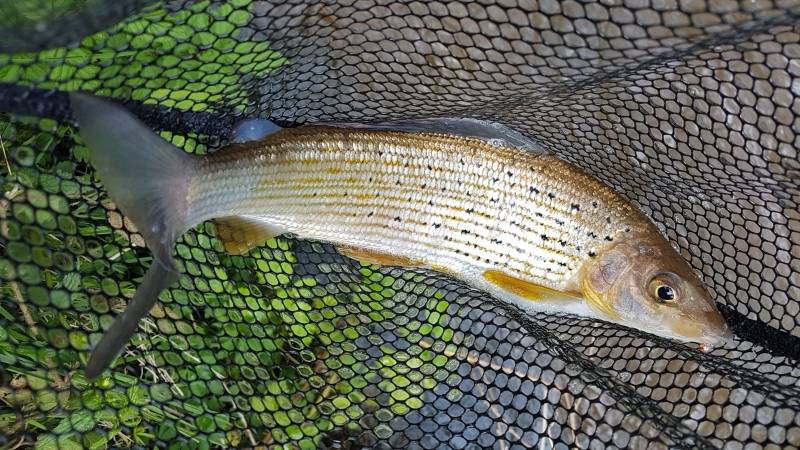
596, 302
528, 290
240, 234
375, 257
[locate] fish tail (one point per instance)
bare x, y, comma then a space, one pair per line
148, 179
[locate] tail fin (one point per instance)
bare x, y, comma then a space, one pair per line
147, 177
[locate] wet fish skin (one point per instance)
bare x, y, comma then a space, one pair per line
446, 200
467, 206
521, 224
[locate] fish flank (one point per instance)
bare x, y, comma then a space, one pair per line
437, 193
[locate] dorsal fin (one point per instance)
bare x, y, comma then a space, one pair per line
253, 130
239, 234
492, 132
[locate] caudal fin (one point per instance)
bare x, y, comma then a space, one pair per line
147, 177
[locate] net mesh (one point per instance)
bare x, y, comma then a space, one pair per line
687, 108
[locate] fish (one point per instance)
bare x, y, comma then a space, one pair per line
475, 200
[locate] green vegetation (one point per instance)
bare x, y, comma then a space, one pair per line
193, 59
247, 350
243, 350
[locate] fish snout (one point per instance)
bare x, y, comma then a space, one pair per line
708, 328
721, 334
717, 331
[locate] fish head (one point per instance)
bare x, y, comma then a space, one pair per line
639, 280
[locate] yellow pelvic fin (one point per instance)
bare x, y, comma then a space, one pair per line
240, 234
526, 289
375, 257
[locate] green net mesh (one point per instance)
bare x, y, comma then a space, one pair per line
688, 108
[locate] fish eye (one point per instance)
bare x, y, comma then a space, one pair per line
665, 293
662, 289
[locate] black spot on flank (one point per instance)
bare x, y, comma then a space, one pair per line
424, 185
371, 213
464, 231
534, 190
444, 189
314, 194
437, 225
397, 182
627, 229
608, 219
560, 222
470, 210
407, 164
545, 238
370, 179
562, 264
430, 167
430, 202
398, 219
592, 254
538, 214
487, 260
551, 195
380, 153
609, 238
494, 200
495, 180
345, 194
563, 243
575, 207
509, 173
462, 161
594, 204
592, 235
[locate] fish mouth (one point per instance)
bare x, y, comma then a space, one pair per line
724, 336
707, 333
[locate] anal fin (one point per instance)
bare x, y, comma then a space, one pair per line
376, 257
240, 234
526, 289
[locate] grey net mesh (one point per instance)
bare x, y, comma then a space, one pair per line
688, 108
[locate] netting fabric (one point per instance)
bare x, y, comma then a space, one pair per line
689, 108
